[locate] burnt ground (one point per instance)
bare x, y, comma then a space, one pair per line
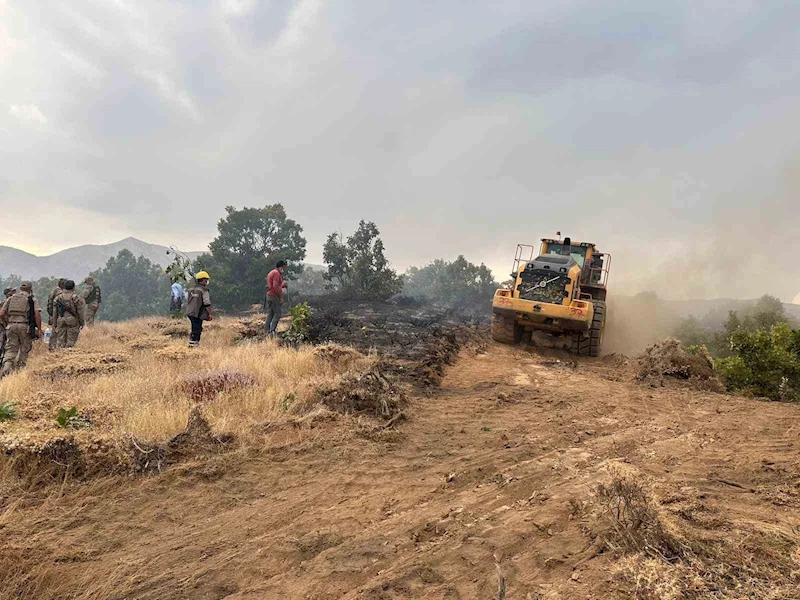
415, 341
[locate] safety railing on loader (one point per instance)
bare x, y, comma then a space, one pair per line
519, 257
599, 275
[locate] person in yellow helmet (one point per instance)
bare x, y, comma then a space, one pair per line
198, 307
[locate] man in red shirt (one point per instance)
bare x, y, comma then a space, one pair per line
275, 287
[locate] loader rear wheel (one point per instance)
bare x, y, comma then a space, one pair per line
589, 343
505, 330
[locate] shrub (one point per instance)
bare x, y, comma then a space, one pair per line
8, 411
301, 323
632, 518
764, 362
71, 418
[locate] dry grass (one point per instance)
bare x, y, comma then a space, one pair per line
126, 378
677, 548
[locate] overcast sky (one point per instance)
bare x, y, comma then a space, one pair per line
663, 131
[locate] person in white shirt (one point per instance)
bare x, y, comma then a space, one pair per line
177, 297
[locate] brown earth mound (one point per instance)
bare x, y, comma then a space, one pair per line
197, 438
205, 386
70, 363
336, 353
671, 361
371, 393
150, 342
176, 353
250, 327
54, 458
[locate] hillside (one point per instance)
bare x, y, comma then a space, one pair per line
519, 473
76, 262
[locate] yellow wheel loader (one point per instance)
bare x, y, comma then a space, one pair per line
562, 291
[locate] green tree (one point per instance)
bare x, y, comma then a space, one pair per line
691, 333
765, 362
459, 282
768, 311
358, 266
732, 323
132, 287
249, 243
761, 315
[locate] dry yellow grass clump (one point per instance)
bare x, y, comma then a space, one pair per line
679, 547
130, 379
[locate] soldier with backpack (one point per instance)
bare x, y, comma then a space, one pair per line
24, 322
51, 319
7, 293
92, 297
69, 315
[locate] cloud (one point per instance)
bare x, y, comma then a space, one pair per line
28, 114
172, 94
661, 131
237, 8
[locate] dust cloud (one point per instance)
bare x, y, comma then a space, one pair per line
743, 249
635, 323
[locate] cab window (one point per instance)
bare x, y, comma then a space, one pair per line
578, 253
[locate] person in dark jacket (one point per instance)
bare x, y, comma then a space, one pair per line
198, 307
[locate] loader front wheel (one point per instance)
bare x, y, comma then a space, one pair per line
505, 330
589, 343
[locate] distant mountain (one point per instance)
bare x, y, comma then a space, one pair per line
76, 263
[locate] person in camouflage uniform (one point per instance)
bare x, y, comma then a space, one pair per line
51, 320
7, 293
92, 298
16, 311
70, 309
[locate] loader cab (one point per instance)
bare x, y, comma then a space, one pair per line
580, 252
595, 265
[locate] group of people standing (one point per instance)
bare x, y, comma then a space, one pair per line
68, 311
199, 309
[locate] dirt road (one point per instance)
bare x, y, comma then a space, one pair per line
492, 477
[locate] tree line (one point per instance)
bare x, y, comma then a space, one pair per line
756, 349
249, 243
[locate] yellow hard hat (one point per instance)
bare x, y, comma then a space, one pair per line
202, 275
